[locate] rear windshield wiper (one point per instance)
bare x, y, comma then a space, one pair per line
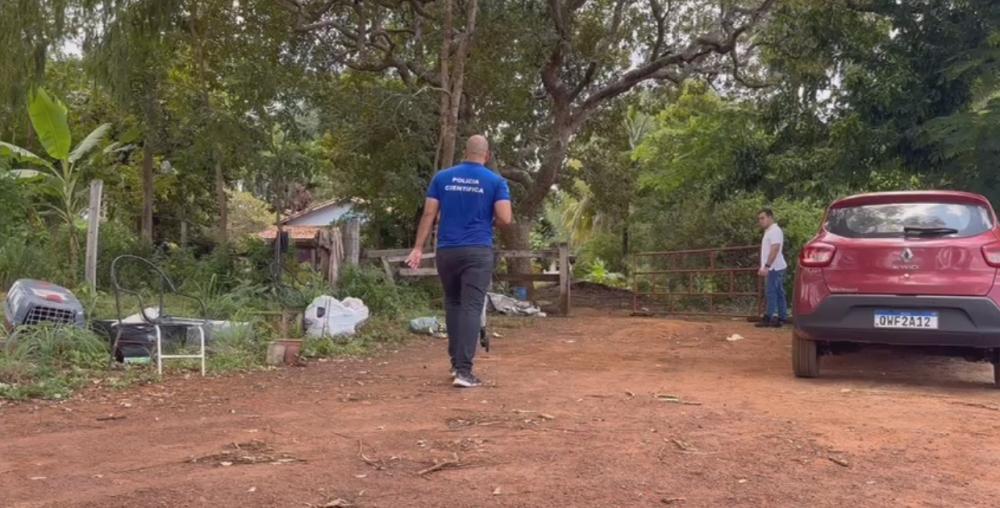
917, 231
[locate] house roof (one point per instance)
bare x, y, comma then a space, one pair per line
319, 207
294, 232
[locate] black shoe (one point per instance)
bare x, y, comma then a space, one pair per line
768, 322
466, 380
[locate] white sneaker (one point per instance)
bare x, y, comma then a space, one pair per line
463, 380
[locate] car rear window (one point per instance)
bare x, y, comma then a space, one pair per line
890, 220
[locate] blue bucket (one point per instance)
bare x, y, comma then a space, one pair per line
521, 294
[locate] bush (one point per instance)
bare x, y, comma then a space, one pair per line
49, 362
597, 272
24, 257
374, 334
240, 349
383, 297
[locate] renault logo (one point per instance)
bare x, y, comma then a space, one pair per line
907, 255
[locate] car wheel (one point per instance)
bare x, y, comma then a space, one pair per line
805, 358
996, 368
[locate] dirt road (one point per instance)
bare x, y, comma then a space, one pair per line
590, 411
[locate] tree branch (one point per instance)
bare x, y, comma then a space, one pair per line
703, 46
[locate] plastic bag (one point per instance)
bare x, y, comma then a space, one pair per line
328, 317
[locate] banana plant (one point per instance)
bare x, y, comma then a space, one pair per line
61, 172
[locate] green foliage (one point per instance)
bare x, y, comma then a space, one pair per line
240, 349
248, 215
383, 298
25, 255
48, 117
701, 138
62, 181
48, 362
376, 334
14, 209
597, 272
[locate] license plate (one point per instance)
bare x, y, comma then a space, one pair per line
924, 320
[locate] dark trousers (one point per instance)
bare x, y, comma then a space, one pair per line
465, 273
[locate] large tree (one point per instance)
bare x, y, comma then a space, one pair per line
538, 71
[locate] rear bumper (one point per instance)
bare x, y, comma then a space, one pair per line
972, 322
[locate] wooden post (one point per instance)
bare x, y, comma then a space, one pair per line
565, 279
336, 256
352, 242
93, 232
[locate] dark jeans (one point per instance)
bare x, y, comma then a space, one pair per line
465, 273
774, 291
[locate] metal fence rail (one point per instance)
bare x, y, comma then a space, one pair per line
721, 279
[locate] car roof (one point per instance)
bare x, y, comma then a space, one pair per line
877, 198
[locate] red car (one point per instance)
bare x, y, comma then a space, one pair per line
900, 268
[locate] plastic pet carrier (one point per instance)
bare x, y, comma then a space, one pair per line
33, 302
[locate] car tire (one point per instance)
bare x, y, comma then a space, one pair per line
805, 357
996, 368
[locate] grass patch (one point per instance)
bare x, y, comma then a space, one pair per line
50, 362
240, 349
372, 337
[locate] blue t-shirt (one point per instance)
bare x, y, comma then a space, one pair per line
467, 193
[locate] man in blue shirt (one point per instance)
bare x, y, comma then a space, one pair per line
470, 198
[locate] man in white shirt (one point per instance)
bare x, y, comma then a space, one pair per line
772, 266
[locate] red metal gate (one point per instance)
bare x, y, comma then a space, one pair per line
716, 282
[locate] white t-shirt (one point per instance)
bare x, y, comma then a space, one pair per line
773, 236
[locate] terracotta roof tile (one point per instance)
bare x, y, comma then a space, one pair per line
294, 232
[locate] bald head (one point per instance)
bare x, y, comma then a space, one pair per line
477, 149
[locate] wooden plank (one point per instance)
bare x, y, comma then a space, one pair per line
389, 274
400, 259
565, 280
511, 254
419, 272
528, 277
93, 232
381, 253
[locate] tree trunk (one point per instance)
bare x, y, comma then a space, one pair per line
458, 83
223, 201
625, 239
552, 161
146, 232
517, 236
446, 150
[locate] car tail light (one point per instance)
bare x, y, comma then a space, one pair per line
991, 253
817, 255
